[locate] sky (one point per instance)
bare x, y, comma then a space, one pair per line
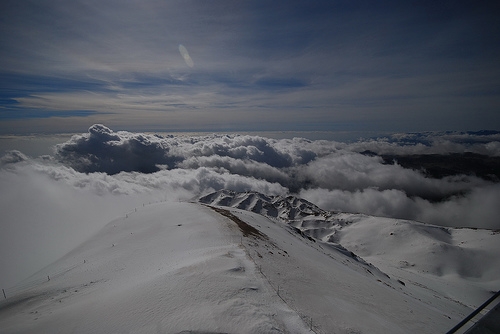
85, 84
156, 65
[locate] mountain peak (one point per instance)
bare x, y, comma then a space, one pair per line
284, 208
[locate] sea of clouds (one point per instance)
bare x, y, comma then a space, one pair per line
53, 202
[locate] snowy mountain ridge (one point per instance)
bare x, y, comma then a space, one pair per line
445, 260
284, 208
180, 267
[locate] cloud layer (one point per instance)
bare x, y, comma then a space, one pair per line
336, 175
55, 202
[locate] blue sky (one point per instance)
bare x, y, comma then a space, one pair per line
154, 65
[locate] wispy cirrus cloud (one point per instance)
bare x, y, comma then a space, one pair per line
386, 66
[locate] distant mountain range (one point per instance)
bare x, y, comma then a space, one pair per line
442, 165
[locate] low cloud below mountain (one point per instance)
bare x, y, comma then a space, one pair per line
96, 176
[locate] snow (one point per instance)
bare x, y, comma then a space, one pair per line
340, 293
169, 267
461, 264
466, 257
177, 267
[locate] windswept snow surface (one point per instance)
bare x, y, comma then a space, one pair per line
447, 269
178, 267
167, 268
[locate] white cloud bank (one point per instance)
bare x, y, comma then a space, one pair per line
56, 202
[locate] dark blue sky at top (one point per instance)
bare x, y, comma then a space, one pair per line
257, 65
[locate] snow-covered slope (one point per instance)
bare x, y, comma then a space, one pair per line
188, 268
168, 268
462, 265
285, 208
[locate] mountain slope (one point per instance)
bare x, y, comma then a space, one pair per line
168, 268
187, 268
457, 264
274, 207
339, 293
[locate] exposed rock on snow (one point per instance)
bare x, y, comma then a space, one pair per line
285, 208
